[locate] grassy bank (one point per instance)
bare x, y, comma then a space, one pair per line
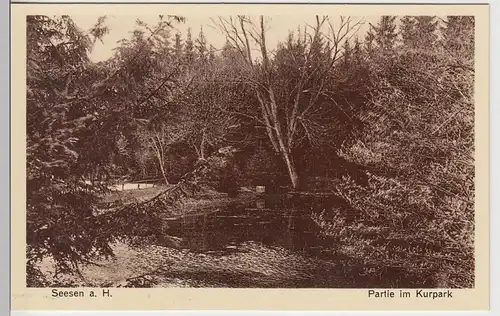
205, 201
129, 261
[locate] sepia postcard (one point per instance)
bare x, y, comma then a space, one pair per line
249, 156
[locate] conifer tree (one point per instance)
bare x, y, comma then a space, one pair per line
369, 41
211, 53
178, 45
189, 48
407, 30
347, 53
385, 33
357, 51
458, 35
426, 27
201, 46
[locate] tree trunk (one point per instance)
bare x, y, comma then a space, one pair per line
285, 150
277, 139
292, 172
162, 168
202, 146
160, 155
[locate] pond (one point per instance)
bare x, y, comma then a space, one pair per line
271, 221
270, 242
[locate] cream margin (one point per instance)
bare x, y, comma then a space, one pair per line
244, 299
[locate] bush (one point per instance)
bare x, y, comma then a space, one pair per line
400, 225
417, 210
222, 173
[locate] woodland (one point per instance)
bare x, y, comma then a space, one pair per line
382, 119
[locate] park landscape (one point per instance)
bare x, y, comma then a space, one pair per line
339, 155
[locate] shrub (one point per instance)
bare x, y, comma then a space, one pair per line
417, 210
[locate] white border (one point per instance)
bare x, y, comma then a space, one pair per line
494, 157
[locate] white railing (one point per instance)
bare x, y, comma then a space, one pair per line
131, 186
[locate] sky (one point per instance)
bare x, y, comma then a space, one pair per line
120, 27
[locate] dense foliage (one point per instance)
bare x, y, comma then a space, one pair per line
418, 145
387, 120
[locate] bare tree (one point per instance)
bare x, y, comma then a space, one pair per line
205, 117
209, 128
158, 139
286, 122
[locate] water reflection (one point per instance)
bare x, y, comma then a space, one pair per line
271, 242
274, 221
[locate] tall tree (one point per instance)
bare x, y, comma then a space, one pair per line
75, 110
385, 33
347, 53
357, 51
158, 138
201, 46
408, 30
369, 42
59, 121
189, 49
458, 39
426, 27
208, 113
418, 145
291, 119
178, 46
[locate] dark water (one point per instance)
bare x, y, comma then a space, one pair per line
269, 242
275, 221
